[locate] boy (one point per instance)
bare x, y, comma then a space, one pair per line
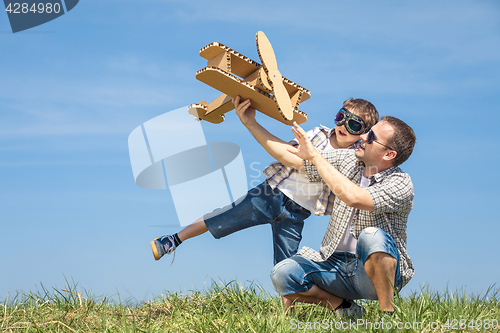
286, 198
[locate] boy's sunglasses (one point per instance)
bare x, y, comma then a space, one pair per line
371, 138
353, 124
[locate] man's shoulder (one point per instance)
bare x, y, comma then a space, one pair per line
392, 192
395, 176
398, 173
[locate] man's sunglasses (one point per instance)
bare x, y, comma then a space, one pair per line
371, 138
353, 124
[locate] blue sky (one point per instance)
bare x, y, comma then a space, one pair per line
72, 90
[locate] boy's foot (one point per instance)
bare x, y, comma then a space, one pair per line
162, 245
353, 312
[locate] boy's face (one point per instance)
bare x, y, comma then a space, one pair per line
343, 136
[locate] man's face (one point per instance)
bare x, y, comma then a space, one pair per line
374, 153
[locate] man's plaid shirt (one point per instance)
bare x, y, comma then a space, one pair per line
276, 172
392, 194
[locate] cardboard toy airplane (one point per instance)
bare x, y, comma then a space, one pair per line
236, 75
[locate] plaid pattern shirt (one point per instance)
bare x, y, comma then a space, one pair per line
392, 194
276, 172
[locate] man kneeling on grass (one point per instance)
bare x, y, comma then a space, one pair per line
363, 254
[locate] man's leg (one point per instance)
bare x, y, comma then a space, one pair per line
379, 265
315, 295
381, 268
324, 283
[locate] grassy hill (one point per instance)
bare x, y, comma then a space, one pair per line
231, 308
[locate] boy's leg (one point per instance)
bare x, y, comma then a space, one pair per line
261, 205
196, 228
168, 243
287, 230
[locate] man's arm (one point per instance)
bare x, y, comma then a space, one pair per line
393, 195
340, 185
276, 147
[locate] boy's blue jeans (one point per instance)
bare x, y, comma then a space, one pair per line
342, 275
262, 205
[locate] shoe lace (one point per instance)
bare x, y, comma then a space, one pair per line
171, 248
172, 259
171, 243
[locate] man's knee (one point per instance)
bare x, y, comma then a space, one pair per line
372, 240
286, 275
370, 236
375, 245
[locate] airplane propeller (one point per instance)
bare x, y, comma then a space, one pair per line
268, 58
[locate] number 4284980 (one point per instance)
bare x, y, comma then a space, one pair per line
24, 8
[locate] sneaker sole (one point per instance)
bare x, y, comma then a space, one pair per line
155, 250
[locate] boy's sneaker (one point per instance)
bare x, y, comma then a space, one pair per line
353, 312
162, 245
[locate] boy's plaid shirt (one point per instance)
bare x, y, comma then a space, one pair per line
276, 172
392, 194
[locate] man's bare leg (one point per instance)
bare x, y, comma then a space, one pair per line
381, 269
315, 295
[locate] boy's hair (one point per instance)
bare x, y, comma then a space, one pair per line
364, 109
402, 141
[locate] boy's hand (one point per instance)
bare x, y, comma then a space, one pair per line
244, 111
305, 150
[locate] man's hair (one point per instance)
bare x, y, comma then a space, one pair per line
364, 109
402, 141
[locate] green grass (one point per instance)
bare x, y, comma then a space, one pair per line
232, 308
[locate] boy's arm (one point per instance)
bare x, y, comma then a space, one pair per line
340, 185
276, 147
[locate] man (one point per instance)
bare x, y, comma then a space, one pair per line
363, 254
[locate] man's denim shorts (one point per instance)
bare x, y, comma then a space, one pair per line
342, 275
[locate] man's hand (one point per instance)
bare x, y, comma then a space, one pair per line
340, 185
306, 150
244, 111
